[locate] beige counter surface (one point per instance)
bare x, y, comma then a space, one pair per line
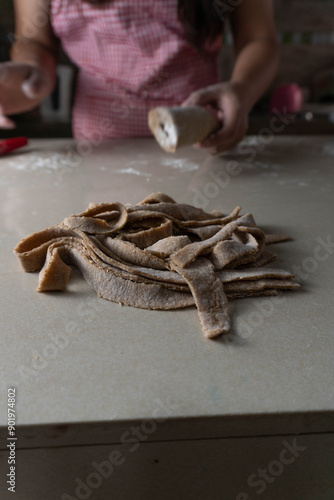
85, 368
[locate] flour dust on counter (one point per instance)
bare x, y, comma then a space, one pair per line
160, 254
47, 161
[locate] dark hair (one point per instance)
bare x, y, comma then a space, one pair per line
200, 19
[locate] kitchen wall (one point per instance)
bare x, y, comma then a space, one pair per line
306, 32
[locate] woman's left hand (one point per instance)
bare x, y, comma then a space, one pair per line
231, 104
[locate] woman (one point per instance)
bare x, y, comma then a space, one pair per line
134, 55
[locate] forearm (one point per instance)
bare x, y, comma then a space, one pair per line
255, 68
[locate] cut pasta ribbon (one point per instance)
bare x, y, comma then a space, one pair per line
159, 254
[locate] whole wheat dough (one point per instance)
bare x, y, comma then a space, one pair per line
159, 254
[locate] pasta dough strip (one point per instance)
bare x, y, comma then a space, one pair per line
159, 254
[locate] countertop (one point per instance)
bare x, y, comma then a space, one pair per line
85, 368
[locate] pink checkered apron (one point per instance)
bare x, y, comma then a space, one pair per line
132, 56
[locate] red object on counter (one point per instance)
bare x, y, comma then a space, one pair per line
8, 145
287, 99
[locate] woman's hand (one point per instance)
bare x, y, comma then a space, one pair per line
231, 104
22, 88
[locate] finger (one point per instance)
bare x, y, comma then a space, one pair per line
11, 73
202, 97
6, 123
3, 73
225, 146
233, 125
33, 86
219, 137
219, 143
222, 149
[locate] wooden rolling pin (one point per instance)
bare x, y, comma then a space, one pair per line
180, 126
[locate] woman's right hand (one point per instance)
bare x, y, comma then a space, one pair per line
22, 87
